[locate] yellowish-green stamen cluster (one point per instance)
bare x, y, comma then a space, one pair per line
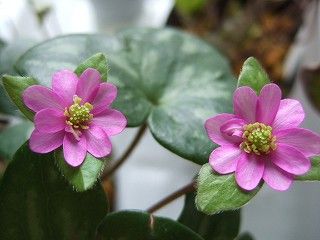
78, 115
258, 139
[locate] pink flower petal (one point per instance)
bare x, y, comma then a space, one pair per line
107, 93
45, 142
245, 104
304, 140
74, 151
277, 178
50, 121
64, 83
289, 115
232, 130
88, 85
268, 103
213, 126
98, 143
39, 97
224, 159
290, 160
249, 171
111, 121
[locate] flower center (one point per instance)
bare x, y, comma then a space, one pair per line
78, 114
258, 138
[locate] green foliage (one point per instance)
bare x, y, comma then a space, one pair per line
253, 75
314, 172
218, 193
15, 86
138, 225
81, 178
168, 78
11, 138
37, 203
97, 61
221, 226
84, 177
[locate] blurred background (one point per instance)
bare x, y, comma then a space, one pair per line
283, 34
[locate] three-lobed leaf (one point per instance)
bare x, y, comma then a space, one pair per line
138, 225
253, 75
186, 81
218, 193
37, 203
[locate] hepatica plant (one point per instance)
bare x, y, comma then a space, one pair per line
76, 114
179, 88
262, 139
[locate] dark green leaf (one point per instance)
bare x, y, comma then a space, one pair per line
221, 226
169, 78
84, 177
185, 80
218, 193
137, 225
97, 61
253, 75
15, 87
314, 173
37, 203
11, 138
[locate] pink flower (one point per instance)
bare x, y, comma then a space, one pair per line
262, 139
75, 114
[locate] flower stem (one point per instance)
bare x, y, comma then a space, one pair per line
190, 187
126, 154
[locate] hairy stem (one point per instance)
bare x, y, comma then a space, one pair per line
126, 154
190, 187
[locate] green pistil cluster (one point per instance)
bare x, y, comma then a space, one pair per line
78, 115
258, 138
